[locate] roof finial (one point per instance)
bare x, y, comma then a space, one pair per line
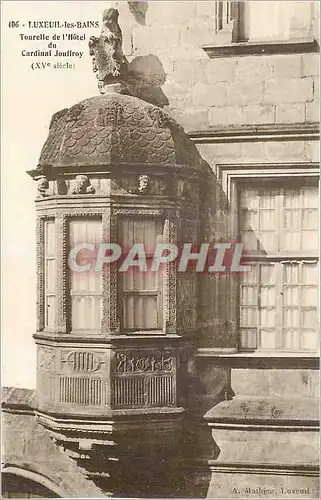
109, 62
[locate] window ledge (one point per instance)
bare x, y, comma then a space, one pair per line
261, 48
260, 359
208, 352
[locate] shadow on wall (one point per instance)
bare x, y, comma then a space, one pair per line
139, 10
146, 76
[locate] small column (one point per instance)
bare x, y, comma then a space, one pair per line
40, 244
110, 319
62, 274
170, 279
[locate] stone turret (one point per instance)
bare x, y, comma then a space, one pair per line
114, 349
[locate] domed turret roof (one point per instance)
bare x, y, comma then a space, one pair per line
116, 129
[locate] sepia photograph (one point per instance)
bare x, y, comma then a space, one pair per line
160, 249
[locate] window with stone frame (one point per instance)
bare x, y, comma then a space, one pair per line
140, 292
224, 15
245, 21
85, 289
50, 273
288, 20
278, 224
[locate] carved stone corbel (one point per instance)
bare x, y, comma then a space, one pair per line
83, 185
42, 187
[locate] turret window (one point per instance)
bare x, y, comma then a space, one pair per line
140, 292
86, 287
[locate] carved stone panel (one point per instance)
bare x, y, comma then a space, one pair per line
129, 362
81, 361
46, 358
143, 379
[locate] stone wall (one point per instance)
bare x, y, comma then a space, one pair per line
233, 90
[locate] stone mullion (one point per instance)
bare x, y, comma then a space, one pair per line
170, 279
62, 274
110, 313
40, 244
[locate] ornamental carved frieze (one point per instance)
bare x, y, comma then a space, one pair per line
83, 185
138, 363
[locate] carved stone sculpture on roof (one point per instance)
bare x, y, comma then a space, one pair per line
109, 62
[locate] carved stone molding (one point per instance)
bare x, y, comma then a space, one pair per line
75, 212
62, 273
259, 132
230, 174
40, 249
110, 318
138, 212
170, 280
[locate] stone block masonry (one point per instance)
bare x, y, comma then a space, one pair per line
247, 90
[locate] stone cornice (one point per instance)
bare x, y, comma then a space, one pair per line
261, 48
117, 170
257, 133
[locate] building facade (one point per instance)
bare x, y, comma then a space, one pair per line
209, 380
